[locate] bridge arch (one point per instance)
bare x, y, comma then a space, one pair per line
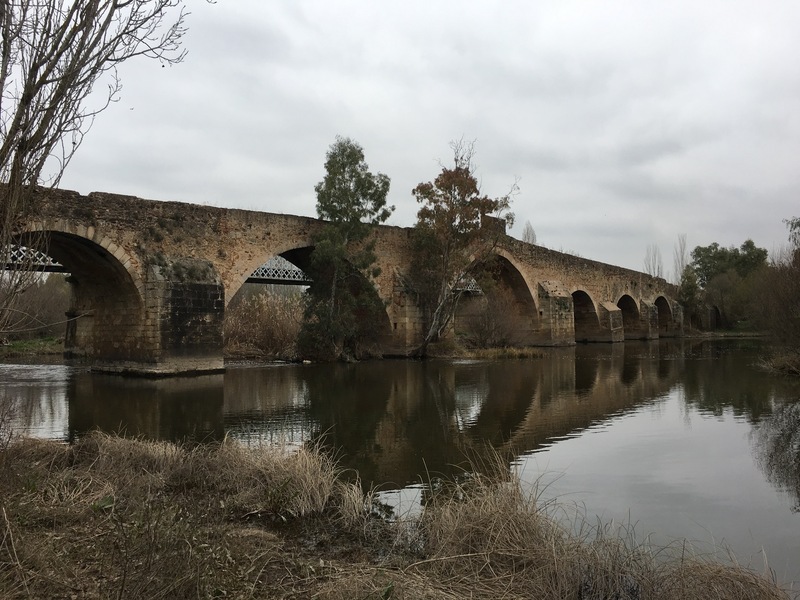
665, 316
63, 240
296, 251
504, 312
586, 319
519, 274
300, 257
107, 305
631, 317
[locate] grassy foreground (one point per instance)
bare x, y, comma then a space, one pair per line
116, 518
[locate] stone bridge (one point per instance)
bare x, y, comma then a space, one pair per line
150, 281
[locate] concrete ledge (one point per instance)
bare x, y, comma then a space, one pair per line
176, 367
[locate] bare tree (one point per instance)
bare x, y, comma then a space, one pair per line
54, 55
652, 261
680, 256
528, 233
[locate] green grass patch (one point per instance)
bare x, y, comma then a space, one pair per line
32, 347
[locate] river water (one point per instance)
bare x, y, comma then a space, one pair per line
677, 439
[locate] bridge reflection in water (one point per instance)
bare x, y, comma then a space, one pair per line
396, 422
390, 420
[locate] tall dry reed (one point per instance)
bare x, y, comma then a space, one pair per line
263, 324
6, 416
488, 538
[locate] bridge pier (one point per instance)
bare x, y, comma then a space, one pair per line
188, 300
175, 328
649, 320
405, 319
611, 325
556, 314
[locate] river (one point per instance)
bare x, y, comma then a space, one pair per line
677, 439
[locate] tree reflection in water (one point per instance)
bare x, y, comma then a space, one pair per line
777, 449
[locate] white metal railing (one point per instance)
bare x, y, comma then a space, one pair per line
30, 259
279, 270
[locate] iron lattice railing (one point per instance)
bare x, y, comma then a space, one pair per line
30, 259
279, 270
469, 285
275, 270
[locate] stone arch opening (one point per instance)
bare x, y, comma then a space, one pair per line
587, 323
258, 278
106, 308
501, 311
276, 301
631, 318
665, 318
264, 313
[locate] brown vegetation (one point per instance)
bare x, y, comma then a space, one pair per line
456, 233
785, 361
112, 517
39, 310
263, 324
489, 321
781, 310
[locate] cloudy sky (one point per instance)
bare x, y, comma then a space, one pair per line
627, 123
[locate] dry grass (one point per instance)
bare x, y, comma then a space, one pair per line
6, 416
452, 348
263, 325
111, 517
489, 539
505, 353
786, 361
114, 517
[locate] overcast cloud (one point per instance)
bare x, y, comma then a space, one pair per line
627, 123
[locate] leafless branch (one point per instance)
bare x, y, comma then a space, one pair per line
54, 54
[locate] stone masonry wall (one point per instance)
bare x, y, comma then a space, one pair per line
139, 314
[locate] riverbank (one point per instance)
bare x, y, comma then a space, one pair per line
112, 517
446, 349
786, 362
30, 348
